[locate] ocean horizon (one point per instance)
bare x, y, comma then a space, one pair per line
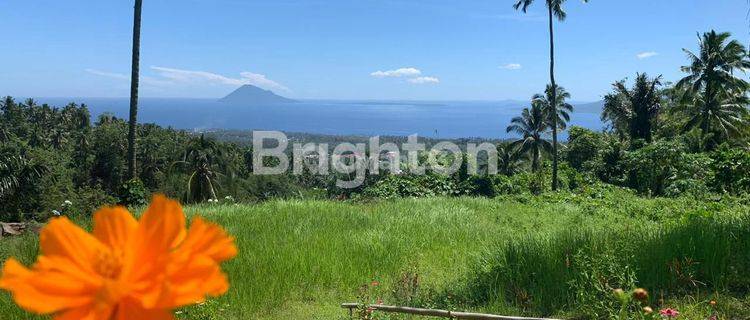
434, 119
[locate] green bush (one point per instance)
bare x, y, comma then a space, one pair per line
404, 186
583, 146
260, 188
608, 165
133, 193
731, 167
655, 168
85, 201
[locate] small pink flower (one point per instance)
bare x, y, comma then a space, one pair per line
374, 283
669, 313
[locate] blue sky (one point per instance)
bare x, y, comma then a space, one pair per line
348, 49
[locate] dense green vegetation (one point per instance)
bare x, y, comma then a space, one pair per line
657, 200
662, 140
555, 255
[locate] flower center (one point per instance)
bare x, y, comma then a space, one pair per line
108, 264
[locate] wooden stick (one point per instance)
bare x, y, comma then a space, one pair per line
436, 312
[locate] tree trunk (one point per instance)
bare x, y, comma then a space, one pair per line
134, 88
554, 96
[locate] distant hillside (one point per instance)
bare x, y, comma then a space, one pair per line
592, 107
252, 95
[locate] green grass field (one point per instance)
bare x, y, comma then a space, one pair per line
301, 259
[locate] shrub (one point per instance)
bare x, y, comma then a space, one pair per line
583, 146
87, 200
608, 165
731, 167
654, 169
133, 193
260, 188
398, 186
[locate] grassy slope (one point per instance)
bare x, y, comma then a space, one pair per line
300, 259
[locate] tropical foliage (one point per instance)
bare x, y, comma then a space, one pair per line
532, 125
715, 97
633, 112
554, 10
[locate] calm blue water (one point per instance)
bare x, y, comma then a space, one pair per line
439, 119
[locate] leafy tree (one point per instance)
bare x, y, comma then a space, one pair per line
509, 160
531, 126
731, 167
715, 97
583, 146
17, 170
202, 158
134, 88
554, 10
635, 110
666, 168
608, 165
109, 149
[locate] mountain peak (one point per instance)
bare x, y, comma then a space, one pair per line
251, 95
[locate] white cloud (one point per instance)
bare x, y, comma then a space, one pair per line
424, 80
108, 74
402, 72
412, 75
512, 66
151, 81
646, 55
171, 77
191, 76
260, 80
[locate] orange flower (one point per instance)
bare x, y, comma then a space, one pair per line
126, 269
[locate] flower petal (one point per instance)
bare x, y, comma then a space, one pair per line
113, 226
209, 239
160, 228
81, 313
13, 273
43, 292
62, 238
132, 310
192, 281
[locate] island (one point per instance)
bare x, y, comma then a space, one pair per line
252, 95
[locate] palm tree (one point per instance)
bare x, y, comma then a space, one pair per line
563, 109
634, 111
554, 10
509, 161
16, 171
531, 126
715, 96
134, 88
201, 160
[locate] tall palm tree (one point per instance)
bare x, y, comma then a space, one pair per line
531, 126
134, 87
563, 109
715, 96
634, 111
554, 10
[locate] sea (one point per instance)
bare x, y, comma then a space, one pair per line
444, 119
